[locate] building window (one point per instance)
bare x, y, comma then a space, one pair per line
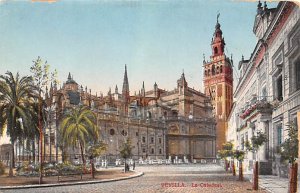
279, 134
242, 142
297, 74
124, 133
174, 113
152, 150
264, 93
279, 88
144, 150
144, 139
112, 132
152, 139
221, 69
159, 140
295, 121
216, 50
136, 133
160, 152
165, 114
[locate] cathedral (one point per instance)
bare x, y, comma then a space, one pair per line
161, 124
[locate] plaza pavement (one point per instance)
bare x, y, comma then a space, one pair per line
161, 178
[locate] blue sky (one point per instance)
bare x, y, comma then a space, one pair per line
95, 39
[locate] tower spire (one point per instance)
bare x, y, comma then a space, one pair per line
218, 42
125, 89
69, 76
125, 92
116, 89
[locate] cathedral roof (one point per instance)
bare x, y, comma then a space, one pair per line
70, 80
74, 97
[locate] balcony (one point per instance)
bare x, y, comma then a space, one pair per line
257, 105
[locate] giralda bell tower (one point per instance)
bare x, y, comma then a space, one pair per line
218, 83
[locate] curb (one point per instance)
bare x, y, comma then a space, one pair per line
71, 183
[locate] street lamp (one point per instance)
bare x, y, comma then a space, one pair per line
192, 142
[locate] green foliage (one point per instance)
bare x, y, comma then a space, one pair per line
126, 149
256, 141
97, 149
27, 169
40, 71
222, 154
79, 126
227, 146
227, 150
289, 148
2, 168
68, 168
239, 155
16, 99
248, 146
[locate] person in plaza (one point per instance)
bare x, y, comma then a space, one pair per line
133, 165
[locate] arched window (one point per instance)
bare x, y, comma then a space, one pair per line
149, 114
216, 50
205, 73
112, 132
152, 151
221, 69
124, 133
217, 71
208, 72
213, 70
165, 114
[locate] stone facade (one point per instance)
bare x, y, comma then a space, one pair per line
267, 95
160, 123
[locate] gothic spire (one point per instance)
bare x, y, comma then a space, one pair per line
125, 89
116, 89
69, 76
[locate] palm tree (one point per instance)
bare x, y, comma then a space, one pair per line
78, 126
16, 94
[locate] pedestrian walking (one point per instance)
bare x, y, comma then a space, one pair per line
133, 165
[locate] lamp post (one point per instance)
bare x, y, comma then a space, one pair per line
192, 142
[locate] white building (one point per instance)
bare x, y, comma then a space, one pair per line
268, 92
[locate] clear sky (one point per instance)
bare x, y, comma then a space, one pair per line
95, 39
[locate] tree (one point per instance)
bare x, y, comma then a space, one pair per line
289, 151
225, 152
95, 150
16, 94
240, 155
126, 151
41, 76
256, 141
77, 127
